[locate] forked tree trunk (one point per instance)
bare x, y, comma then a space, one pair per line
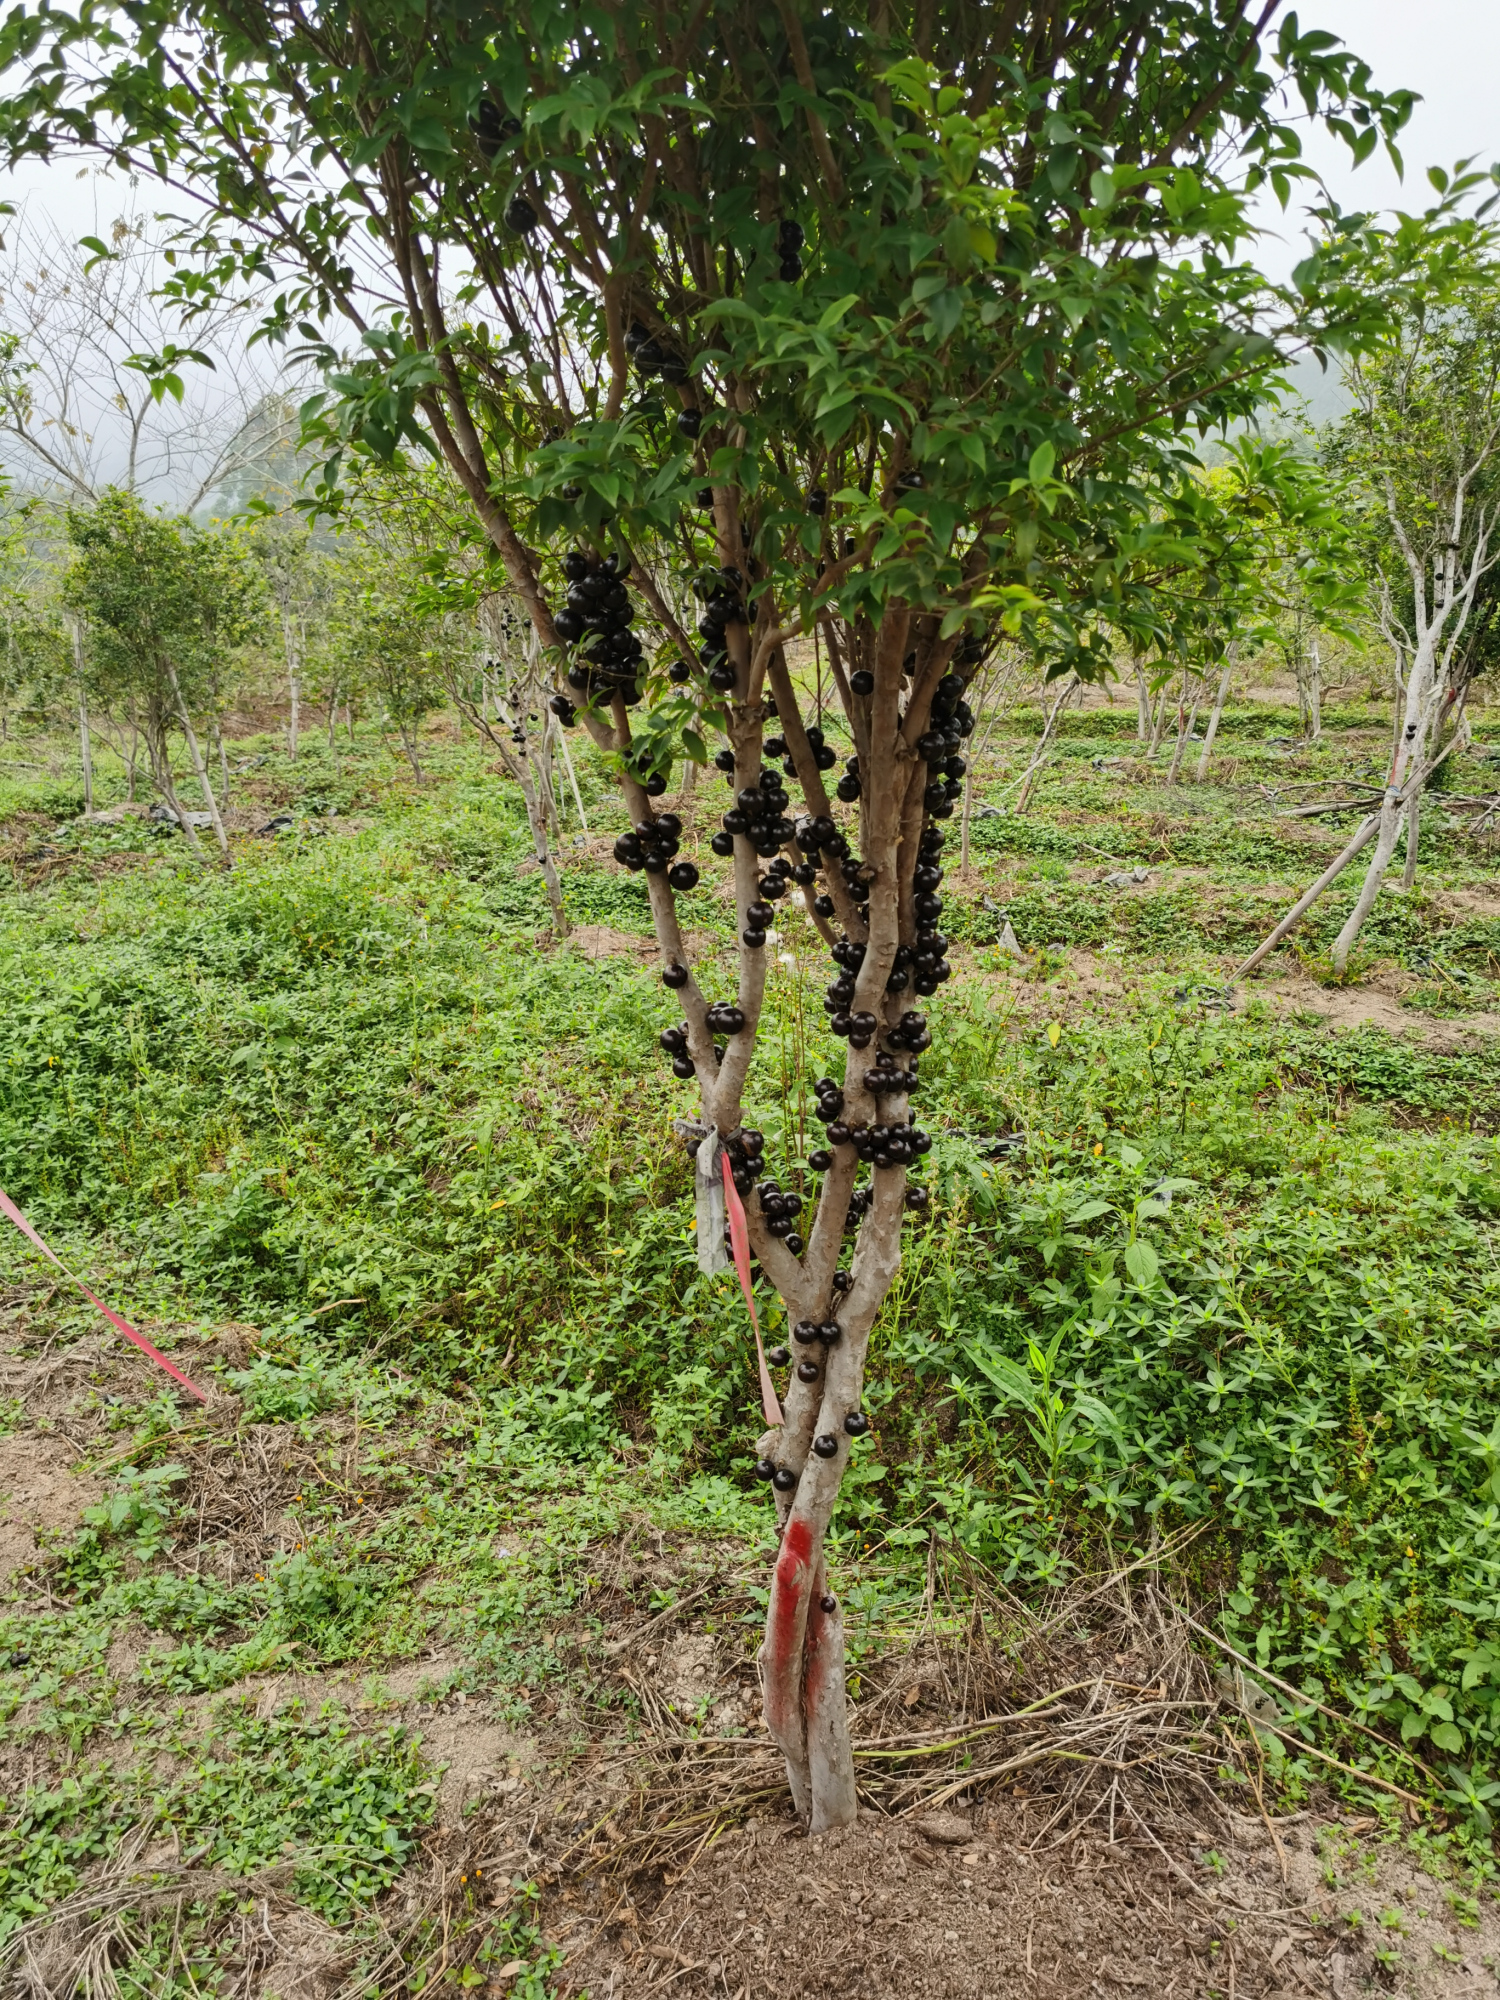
802, 1655
200, 769
1230, 654
159, 755
1043, 752
1186, 717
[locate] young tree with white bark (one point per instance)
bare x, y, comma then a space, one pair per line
1419, 458
889, 319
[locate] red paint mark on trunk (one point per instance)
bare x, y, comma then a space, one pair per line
786, 1595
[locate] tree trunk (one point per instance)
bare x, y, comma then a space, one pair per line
1158, 724
216, 745
1315, 690
1184, 731
86, 754
1142, 704
293, 681
200, 769
409, 745
135, 744
333, 714
1413, 834
1412, 727
1040, 758
1230, 654
161, 772
567, 757
536, 820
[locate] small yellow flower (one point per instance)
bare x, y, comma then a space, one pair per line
1097, 1151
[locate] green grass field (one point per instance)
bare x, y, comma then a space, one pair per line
351, 1102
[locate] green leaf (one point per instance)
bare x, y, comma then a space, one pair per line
1141, 1262
1043, 459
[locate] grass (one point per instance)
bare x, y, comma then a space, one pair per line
1241, 1286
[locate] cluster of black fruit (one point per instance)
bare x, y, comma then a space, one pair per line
929, 968
951, 721
721, 1020
790, 238
653, 356
747, 1148
819, 838
824, 755
650, 846
599, 611
781, 1209
492, 128
720, 591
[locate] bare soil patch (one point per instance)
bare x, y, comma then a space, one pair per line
42, 1496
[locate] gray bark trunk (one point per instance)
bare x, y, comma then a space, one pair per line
200, 769
1213, 721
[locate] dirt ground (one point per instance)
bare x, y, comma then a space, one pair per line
1122, 1852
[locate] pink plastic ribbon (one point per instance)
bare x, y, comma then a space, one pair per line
8, 1207
739, 1242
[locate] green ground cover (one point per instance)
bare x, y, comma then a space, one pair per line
1235, 1282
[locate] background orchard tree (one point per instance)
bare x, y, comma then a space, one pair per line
891, 323
489, 661
162, 605
380, 634
297, 585
1419, 464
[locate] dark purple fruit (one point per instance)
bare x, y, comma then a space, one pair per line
856, 1423
917, 1198
828, 1603
823, 905
820, 1161
794, 1243
520, 215
753, 939
784, 1479
675, 976
826, 1445
683, 875
689, 422
765, 1468
808, 1371
683, 1066
863, 682
805, 1332
779, 1357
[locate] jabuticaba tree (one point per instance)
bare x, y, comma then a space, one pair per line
889, 323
